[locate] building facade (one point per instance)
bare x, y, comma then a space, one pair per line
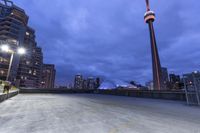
174, 78
13, 22
149, 85
97, 82
30, 66
26, 70
165, 78
90, 83
175, 82
78, 82
48, 76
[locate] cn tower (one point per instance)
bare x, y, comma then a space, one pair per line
149, 18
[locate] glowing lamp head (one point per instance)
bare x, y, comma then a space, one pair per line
21, 51
5, 48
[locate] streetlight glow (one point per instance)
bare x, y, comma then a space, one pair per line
21, 51
5, 48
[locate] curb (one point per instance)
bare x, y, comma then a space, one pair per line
4, 97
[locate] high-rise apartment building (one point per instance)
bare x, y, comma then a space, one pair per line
165, 78
30, 67
26, 70
78, 82
85, 84
174, 78
13, 23
91, 83
97, 82
175, 82
48, 76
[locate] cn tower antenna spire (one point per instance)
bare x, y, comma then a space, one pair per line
147, 5
149, 18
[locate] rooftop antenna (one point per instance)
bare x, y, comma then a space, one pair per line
147, 5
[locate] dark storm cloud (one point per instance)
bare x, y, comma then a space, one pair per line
110, 38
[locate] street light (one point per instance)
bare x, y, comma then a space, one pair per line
20, 51
5, 48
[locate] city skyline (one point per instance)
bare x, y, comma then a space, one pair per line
114, 39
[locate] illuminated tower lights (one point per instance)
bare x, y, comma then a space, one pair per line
149, 18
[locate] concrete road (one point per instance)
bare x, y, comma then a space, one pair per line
48, 113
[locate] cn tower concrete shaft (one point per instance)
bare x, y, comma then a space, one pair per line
157, 72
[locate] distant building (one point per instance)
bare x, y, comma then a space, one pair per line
97, 82
105, 85
91, 83
193, 78
174, 78
88, 83
78, 82
165, 78
85, 84
136, 85
70, 86
149, 85
48, 76
175, 82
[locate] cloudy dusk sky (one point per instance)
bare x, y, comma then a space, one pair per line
110, 39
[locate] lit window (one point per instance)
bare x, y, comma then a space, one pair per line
2, 72
27, 62
27, 33
30, 71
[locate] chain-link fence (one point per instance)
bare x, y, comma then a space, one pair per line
192, 89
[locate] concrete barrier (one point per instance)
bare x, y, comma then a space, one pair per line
168, 95
7, 96
57, 91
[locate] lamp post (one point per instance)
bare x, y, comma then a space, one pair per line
20, 51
